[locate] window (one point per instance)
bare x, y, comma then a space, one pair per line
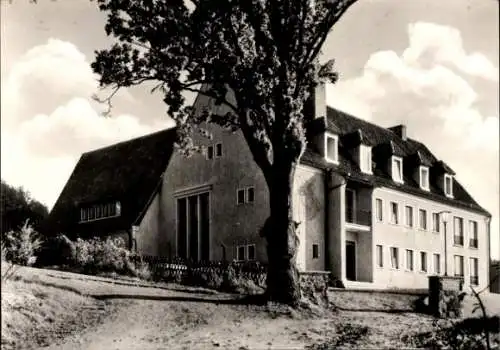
422, 219
394, 213
435, 222
379, 209
424, 178
423, 261
365, 159
250, 195
458, 228
315, 251
448, 185
397, 169
251, 252
210, 152
394, 257
218, 150
380, 256
437, 264
473, 241
474, 271
409, 216
240, 196
409, 259
240, 253
331, 148
459, 265
193, 227
100, 211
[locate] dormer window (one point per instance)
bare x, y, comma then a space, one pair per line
397, 169
424, 178
365, 159
100, 211
331, 148
448, 185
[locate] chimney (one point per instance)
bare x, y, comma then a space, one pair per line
320, 101
399, 130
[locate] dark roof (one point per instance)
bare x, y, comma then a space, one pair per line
385, 141
129, 172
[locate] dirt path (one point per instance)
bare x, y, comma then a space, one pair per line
177, 317
167, 324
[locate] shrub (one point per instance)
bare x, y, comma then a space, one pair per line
57, 250
450, 303
464, 334
21, 246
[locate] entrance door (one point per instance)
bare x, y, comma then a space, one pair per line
193, 227
350, 260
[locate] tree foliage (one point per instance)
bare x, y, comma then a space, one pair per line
17, 206
258, 58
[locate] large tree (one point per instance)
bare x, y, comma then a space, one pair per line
264, 53
17, 206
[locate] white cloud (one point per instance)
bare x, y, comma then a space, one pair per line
48, 118
75, 128
429, 89
436, 44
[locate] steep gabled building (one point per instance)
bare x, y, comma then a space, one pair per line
375, 207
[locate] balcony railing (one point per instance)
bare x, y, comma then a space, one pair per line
358, 216
473, 243
458, 240
474, 280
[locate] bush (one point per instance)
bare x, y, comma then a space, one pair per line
464, 334
450, 303
56, 251
22, 246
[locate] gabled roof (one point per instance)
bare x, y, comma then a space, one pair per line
385, 141
129, 172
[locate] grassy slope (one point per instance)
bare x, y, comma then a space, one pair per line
36, 315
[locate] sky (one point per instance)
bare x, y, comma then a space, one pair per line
431, 65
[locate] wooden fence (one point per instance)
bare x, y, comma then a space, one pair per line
203, 272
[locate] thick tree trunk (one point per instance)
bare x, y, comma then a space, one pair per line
282, 242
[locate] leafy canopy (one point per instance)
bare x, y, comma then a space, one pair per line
265, 52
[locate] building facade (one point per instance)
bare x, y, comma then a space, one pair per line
375, 207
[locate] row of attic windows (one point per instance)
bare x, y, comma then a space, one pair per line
365, 164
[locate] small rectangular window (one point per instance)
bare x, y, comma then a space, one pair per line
315, 251
394, 257
474, 271
241, 196
250, 195
473, 240
218, 150
458, 228
437, 264
448, 185
331, 148
397, 169
251, 251
459, 265
423, 261
380, 256
422, 219
394, 213
435, 222
365, 159
379, 209
210, 152
424, 178
240, 253
409, 259
409, 216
